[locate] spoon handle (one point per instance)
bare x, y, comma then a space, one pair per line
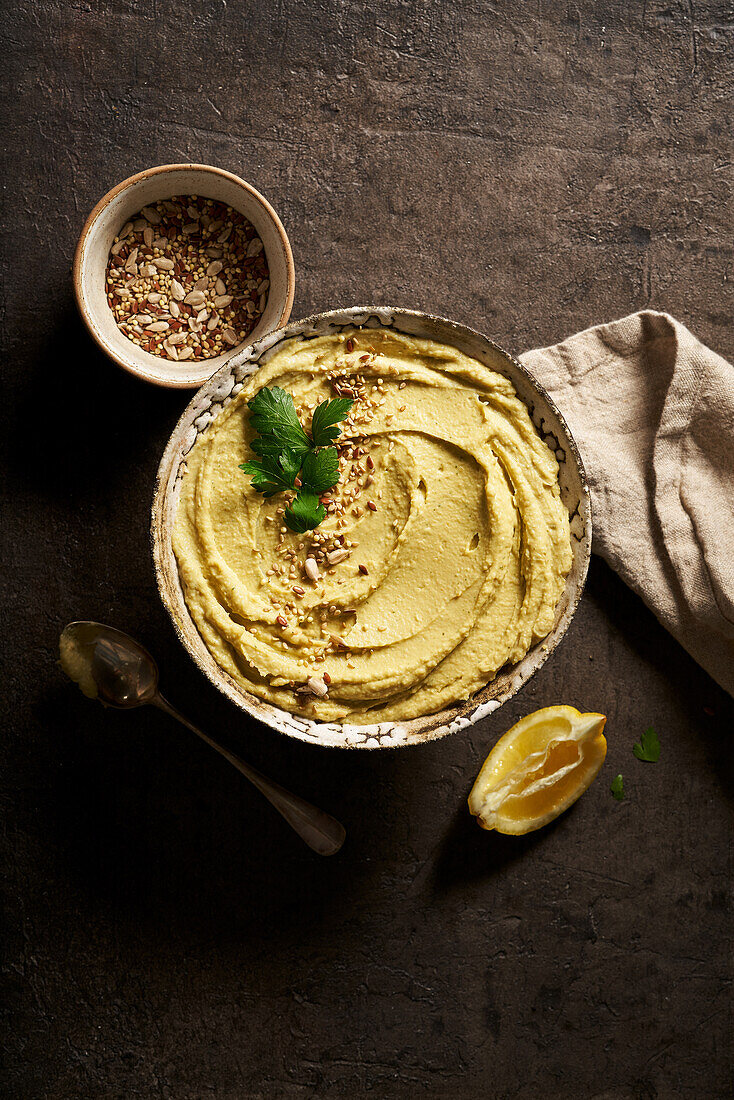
323, 833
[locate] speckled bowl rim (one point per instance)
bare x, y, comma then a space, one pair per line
80, 253
414, 731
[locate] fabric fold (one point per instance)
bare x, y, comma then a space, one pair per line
652, 411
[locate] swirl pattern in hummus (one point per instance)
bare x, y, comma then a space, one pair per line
448, 500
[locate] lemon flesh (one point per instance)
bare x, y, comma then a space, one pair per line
538, 769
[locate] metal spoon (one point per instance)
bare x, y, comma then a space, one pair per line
112, 667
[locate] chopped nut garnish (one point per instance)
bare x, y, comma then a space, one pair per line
168, 271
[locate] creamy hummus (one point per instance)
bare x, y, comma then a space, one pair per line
442, 557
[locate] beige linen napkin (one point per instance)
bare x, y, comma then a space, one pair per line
652, 411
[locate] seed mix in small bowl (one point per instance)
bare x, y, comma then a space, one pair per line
187, 278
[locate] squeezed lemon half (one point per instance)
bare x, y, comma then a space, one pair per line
538, 769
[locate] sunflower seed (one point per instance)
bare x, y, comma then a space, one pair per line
311, 569
230, 337
175, 309
151, 214
194, 297
126, 229
177, 291
189, 229
317, 687
163, 263
222, 300
202, 283
117, 247
177, 338
213, 321
148, 236
171, 352
158, 326
220, 286
255, 247
187, 353
214, 268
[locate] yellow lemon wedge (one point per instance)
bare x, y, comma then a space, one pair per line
538, 769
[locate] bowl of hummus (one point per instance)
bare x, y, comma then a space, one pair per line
451, 556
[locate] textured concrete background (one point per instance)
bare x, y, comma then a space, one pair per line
528, 169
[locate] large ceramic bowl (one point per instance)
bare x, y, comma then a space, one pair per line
227, 382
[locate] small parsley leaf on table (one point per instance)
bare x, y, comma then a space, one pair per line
326, 416
617, 788
648, 749
305, 513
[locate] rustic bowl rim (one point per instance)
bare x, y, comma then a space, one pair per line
451, 719
81, 257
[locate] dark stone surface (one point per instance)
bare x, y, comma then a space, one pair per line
530, 170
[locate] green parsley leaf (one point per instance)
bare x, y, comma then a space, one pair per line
325, 416
305, 513
267, 445
273, 416
648, 749
617, 788
320, 469
274, 473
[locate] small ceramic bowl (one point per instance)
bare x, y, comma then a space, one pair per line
126, 200
219, 391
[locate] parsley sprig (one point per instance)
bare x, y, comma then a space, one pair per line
290, 458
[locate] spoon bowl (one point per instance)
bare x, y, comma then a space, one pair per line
123, 672
111, 666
